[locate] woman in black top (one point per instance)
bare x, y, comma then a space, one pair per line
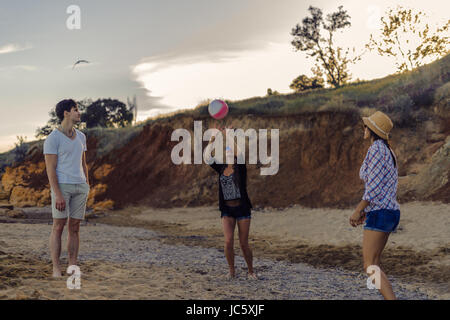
235, 206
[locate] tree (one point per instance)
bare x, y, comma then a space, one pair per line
54, 122
132, 106
20, 149
410, 41
271, 92
107, 113
43, 132
83, 104
332, 59
303, 82
103, 113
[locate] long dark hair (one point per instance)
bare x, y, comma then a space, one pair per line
386, 142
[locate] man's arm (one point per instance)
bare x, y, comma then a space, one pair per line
85, 167
51, 161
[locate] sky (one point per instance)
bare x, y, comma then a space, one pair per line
170, 54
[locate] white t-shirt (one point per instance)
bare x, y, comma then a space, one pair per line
69, 167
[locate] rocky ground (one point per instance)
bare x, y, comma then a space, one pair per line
144, 253
131, 263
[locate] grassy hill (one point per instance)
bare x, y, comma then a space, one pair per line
321, 147
407, 97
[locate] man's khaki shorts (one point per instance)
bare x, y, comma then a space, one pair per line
76, 197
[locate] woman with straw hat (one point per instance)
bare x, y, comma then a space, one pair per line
378, 207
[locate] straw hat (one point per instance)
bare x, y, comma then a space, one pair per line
379, 123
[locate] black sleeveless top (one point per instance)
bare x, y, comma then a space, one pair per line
240, 178
229, 189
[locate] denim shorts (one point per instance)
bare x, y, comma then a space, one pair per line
384, 220
239, 212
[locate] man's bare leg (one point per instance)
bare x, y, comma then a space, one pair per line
73, 240
55, 244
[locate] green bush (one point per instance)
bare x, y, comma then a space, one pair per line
337, 103
442, 100
442, 95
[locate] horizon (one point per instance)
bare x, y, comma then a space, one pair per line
174, 69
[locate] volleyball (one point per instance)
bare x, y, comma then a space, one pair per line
218, 109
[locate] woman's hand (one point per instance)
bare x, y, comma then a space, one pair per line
213, 136
357, 218
359, 215
224, 128
221, 129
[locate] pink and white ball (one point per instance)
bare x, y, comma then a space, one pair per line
218, 109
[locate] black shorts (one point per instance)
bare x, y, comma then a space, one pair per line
240, 212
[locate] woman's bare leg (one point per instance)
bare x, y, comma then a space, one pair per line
244, 228
228, 231
373, 245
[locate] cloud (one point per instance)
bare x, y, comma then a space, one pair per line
162, 61
163, 76
26, 67
252, 27
12, 47
22, 67
184, 82
7, 142
145, 114
147, 102
256, 26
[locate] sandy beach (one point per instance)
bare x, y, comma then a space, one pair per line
299, 253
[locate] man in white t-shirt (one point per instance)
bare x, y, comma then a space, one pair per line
67, 172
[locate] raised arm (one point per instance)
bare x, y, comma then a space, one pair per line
216, 166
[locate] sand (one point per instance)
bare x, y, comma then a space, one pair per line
423, 226
300, 253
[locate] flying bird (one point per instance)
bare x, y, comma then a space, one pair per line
78, 62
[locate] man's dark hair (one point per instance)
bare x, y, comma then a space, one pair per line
64, 105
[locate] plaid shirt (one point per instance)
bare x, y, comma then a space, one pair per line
380, 177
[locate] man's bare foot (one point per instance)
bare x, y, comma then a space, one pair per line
231, 276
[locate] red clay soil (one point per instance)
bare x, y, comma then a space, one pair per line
320, 156
144, 173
